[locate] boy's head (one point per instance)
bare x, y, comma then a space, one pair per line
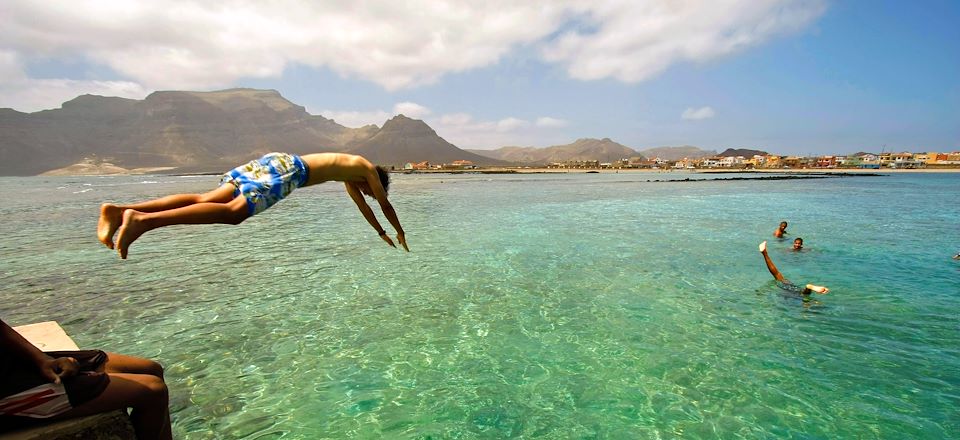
797, 244
783, 225
384, 176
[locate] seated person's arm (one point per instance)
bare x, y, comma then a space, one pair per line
14, 345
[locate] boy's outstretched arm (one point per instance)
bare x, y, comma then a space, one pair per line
766, 259
381, 195
364, 208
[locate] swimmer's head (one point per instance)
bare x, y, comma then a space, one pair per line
783, 225
797, 244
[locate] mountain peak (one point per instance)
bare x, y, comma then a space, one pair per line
405, 125
231, 100
87, 100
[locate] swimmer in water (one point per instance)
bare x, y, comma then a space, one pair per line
798, 244
781, 230
784, 283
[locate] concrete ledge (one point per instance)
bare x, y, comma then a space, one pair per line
115, 425
47, 336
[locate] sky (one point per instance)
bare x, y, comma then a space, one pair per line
784, 76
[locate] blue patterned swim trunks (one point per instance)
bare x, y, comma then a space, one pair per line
267, 180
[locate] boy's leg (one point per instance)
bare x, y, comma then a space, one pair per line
135, 223
111, 216
766, 259
145, 393
121, 363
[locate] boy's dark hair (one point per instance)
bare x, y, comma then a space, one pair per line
798, 239
384, 178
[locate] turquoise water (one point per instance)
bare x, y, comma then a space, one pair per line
532, 306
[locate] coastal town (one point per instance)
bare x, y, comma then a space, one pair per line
891, 160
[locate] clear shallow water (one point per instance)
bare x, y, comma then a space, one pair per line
532, 306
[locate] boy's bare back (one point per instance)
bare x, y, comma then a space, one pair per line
341, 167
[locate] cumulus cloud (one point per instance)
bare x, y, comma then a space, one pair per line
698, 113
510, 124
353, 118
462, 129
465, 131
546, 121
411, 109
633, 41
25, 94
192, 44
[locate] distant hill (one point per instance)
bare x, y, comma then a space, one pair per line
603, 150
403, 139
742, 152
677, 153
199, 132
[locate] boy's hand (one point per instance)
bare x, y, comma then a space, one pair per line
763, 246
403, 241
387, 239
55, 368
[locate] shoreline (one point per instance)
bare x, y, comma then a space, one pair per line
807, 171
111, 170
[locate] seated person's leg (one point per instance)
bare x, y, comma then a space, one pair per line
121, 363
145, 393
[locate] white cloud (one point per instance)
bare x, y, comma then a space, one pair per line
355, 119
465, 131
546, 121
510, 124
192, 44
633, 41
462, 129
698, 114
26, 94
411, 110
456, 119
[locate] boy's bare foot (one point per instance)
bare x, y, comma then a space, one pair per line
110, 218
819, 289
131, 229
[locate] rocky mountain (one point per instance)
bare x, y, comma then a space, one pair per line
603, 150
403, 140
742, 152
677, 153
200, 132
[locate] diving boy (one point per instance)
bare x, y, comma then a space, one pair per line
250, 189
